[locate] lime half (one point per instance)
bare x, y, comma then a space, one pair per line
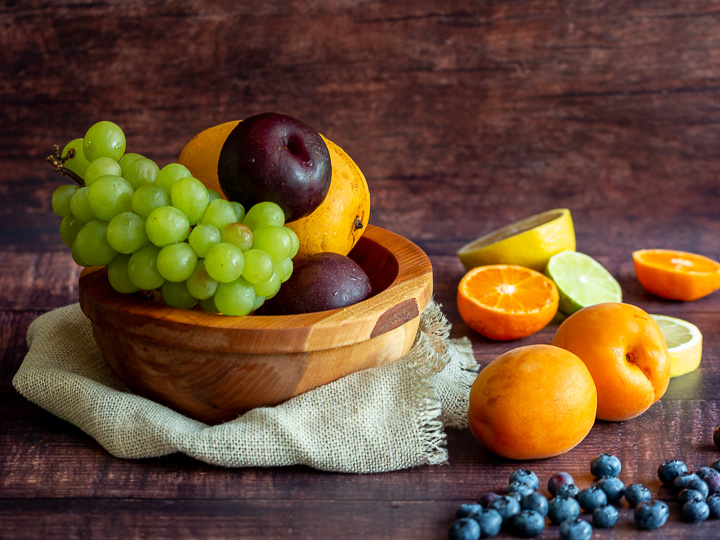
581, 281
684, 342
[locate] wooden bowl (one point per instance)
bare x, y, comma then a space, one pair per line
212, 367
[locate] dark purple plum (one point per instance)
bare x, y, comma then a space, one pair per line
318, 283
277, 158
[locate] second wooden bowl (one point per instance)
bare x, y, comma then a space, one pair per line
213, 368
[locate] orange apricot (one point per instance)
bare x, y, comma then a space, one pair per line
532, 402
626, 353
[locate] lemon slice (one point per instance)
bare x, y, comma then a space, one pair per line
529, 242
581, 281
684, 342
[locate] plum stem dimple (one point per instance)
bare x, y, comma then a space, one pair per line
58, 164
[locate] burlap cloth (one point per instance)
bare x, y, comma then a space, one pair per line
387, 418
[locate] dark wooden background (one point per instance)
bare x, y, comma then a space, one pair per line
464, 116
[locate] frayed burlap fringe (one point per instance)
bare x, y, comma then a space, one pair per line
387, 418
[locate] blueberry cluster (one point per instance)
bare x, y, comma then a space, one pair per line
698, 493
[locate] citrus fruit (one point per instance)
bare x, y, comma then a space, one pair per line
684, 342
626, 353
581, 281
505, 302
529, 242
676, 275
334, 226
532, 402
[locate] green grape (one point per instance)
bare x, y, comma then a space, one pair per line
235, 298
212, 195
109, 196
170, 174
142, 268
258, 266
127, 159
219, 213
176, 262
200, 284
237, 234
126, 232
141, 171
264, 214
78, 163
203, 237
284, 269
224, 262
69, 228
61, 199
208, 304
267, 288
104, 139
295, 241
175, 294
76, 257
275, 240
190, 195
118, 276
239, 210
167, 225
80, 207
92, 245
101, 167
259, 301
147, 198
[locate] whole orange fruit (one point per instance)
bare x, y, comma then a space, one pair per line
626, 353
532, 402
334, 226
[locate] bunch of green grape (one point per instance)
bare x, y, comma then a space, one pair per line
162, 229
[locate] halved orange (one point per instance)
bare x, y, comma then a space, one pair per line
505, 302
676, 275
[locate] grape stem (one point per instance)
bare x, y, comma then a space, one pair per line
58, 164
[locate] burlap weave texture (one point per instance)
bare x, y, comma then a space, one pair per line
387, 418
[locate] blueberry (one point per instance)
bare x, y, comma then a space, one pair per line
464, 529
536, 502
695, 511
613, 488
561, 508
525, 476
528, 524
605, 517
490, 522
687, 495
592, 497
698, 485
466, 510
568, 490
682, 481
711, 477
558, 480
506, 506
515, 495
713, 502
651, 515
605, 465
716, 437
519, 487
486, 498
670, 469
575, 529
637, 493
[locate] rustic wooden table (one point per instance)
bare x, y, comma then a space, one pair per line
464, 116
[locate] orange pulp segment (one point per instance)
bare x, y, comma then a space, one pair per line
676, 275
504, 302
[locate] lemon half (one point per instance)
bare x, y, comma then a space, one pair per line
529, 242
684, 341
